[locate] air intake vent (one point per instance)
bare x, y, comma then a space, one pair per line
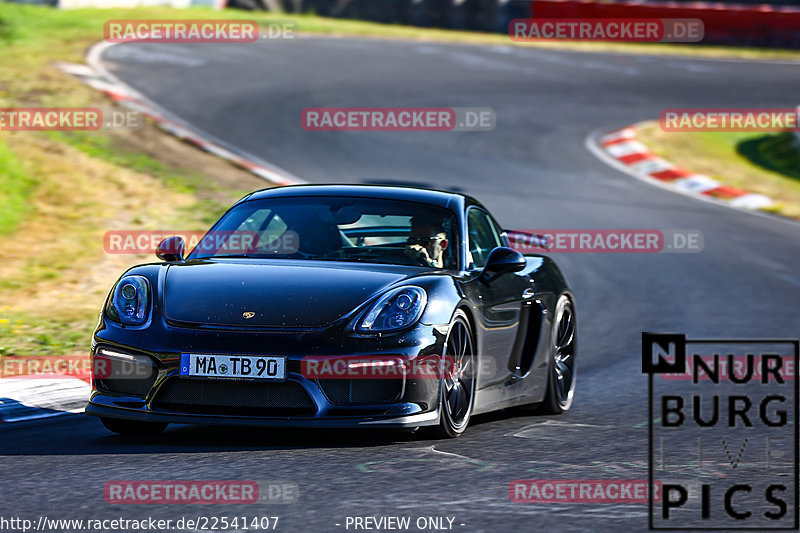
235, 398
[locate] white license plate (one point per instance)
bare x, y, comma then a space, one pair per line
233, 366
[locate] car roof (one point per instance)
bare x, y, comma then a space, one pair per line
449, 200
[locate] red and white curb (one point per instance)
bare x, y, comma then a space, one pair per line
43, 396
98, 77
623, 150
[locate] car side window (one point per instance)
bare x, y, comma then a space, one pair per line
483, 237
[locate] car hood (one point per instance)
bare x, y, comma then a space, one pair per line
299, 294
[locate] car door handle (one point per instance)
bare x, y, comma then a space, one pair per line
528, 293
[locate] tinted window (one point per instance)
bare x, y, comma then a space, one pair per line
483, 237
336, 229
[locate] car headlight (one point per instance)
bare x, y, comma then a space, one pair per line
130, 301
397, 309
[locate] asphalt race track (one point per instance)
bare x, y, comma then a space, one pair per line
533, 171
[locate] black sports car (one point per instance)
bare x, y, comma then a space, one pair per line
336, 306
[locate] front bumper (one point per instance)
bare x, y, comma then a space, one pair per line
415, 401
421, 419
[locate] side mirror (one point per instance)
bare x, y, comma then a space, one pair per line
170, 249
503, 260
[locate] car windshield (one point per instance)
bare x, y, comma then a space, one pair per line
364, 230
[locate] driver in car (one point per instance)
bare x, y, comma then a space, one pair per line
427, 242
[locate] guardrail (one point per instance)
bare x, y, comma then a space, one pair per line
730, 24
478, 15
725, 22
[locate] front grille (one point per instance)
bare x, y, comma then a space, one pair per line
235, 398
362, 391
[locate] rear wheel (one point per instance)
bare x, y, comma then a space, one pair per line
132, 427
458, 383
561, 379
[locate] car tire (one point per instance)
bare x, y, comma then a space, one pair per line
562, 369
457, 386
132, 427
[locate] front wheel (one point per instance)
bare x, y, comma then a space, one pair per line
561, 378
458, 382
132, 427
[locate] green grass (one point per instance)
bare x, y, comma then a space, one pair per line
110, 150
767, 164
779, 153
24, 334
203, 212
16, 186
102, 147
